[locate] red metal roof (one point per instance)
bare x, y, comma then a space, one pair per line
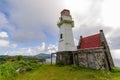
90, 41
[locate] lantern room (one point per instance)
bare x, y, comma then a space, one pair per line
65, 12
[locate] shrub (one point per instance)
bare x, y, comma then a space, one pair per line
19, 57
9, 69
60, 63
115, 69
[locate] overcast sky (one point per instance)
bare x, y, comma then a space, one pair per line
29, 26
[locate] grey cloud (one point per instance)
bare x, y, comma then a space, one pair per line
115, 39
115, 43
112, 36
117, 62
86, 30
90, 22
32, 17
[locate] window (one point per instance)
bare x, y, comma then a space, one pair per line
61, 19
61, 36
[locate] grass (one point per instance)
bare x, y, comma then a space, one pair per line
8, 70
53, 72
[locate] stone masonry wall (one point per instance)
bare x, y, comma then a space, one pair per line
91, 60
66, 57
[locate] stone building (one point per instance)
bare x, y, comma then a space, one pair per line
92, 52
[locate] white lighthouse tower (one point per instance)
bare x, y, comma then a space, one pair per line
66, 40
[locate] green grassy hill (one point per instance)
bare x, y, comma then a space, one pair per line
35, 71
53, 72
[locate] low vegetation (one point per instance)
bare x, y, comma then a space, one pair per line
53, 72
14, 68
32, 70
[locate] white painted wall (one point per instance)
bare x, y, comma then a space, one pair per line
66, 17
67, 41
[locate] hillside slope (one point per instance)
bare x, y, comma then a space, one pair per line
52, 72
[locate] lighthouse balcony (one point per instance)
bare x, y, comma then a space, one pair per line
65, 21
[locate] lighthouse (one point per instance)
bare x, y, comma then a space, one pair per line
92, 51
65, 24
